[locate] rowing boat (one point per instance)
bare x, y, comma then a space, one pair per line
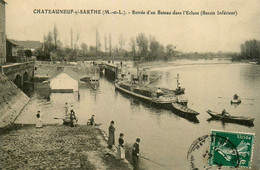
229, 118
235, 101
184, 110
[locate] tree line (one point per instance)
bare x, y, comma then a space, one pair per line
249, 50
142, 48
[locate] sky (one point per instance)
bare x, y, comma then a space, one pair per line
190, 33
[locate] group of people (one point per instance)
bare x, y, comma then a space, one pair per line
121, 145
69, 112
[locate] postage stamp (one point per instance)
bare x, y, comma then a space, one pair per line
231, 149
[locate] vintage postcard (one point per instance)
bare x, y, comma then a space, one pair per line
129, 84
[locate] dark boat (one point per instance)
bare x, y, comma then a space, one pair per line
184, 110
232, 119
148, 94
179, 90
235, 101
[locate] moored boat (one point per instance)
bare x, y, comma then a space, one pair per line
184, 110
229, 118
148, 94
179, 91
66, 120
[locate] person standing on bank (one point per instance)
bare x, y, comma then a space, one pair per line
111, 135
66, 109
73, 118
135, 154
39, 120
121, 147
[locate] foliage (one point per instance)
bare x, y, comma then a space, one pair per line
249, 50
28, 53
142, 43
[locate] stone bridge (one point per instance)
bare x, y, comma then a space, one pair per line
19, 73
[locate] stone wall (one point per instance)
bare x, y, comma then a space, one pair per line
12, 101
2, 33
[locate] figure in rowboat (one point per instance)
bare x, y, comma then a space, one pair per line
225, 113
235, 97
159, 92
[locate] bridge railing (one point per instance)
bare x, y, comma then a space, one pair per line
16, 67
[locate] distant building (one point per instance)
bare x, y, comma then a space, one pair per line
15, 49
2, 33
64, 80
11, 53
27, 45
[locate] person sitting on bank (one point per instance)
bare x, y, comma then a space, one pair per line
121, 147
235, 97
73, 118
159, 92
224, 113
39, 120
92, 120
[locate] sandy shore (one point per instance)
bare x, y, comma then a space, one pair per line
56, 147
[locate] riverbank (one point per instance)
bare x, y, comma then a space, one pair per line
12, 101
57, 147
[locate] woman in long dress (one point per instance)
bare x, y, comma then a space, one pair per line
121, 147
39, 120
111, 134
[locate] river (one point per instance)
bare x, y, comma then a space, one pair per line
166, 137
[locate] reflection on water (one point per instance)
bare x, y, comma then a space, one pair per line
165, 136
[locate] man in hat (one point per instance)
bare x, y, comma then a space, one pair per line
135, 154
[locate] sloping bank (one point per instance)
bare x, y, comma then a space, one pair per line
12, 101
57, 147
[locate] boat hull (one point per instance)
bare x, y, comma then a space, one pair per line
235, 101
231, 119
179, 91
184, 111
166, 104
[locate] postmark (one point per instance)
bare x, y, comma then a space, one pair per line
221, 149
231, 149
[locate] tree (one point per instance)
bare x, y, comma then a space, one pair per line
154, 49
55, 36
133, 47
84, 48
250, 49
170, 50
28, 53
48, 44
121, 42
142, 44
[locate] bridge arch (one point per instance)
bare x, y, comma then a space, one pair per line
18, 81
25, 76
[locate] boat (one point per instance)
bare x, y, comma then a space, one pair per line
179, 90
235, 101
229, 118
183, 110
148, 94
66, 120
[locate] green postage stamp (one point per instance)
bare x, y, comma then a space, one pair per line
232, 149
